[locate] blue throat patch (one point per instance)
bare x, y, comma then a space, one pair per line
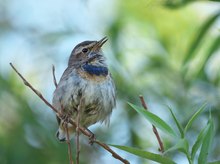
95, 70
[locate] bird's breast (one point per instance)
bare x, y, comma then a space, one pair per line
98, 92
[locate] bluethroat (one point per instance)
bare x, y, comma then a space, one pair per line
87, 76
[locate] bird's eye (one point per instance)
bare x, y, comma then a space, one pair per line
84, 50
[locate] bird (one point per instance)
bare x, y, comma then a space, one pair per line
87, 76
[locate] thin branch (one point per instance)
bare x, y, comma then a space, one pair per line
114, 154
35, 91
71, 121
161, 149
79, 109
69, 144
65, 125
54, 77
77, 139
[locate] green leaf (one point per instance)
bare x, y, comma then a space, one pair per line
199, 141
206, 145
200, 36
182, 145
145, 154
177, 123
155, 120
194, 117
214, 47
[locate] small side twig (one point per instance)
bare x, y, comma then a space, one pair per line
65, 125
54, 77
71, 121
69, 144
161, 149
79, 109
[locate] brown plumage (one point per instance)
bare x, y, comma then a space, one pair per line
86, 76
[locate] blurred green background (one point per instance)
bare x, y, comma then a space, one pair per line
166, 50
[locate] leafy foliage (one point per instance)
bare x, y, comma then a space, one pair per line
204, 139
155, 120
145, 154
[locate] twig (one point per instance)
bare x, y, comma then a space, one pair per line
161, 149
65, 124
77, 137
54, 77
69, 144
35, 91
71, 121
79, 109
115, 155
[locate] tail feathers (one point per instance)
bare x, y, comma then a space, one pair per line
62, 135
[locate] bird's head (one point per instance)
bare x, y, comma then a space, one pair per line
88, 52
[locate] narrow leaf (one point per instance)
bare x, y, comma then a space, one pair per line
194, 117
182, 145
200, 36
155, 120
199, 141
177, 123
207, 141
145, 154
214, 47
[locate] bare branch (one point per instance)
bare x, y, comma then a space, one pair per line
71, 121
35, 91
54, 77
79, 109
114, 154
69, 144
161, 149
65, 125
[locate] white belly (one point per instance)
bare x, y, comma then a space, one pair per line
99, 98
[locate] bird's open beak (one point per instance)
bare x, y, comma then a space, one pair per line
102, 41
93, 54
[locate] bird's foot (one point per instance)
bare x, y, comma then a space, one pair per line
92, 137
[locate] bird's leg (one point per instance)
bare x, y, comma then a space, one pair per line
92, 137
